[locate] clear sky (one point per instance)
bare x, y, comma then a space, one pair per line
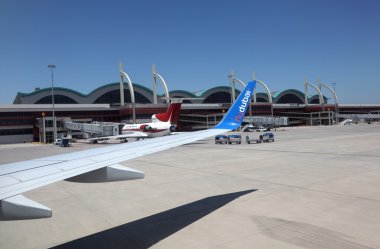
194, 44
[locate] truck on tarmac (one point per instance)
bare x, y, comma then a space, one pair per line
221, 139
264, 138
234, 138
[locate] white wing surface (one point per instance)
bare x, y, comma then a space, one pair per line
95, 165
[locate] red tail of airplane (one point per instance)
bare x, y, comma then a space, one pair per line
172, 113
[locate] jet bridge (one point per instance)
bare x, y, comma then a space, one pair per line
267, 120
97, 129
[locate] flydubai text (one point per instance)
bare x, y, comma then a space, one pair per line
243, 106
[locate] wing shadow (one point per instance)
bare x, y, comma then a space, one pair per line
148, 231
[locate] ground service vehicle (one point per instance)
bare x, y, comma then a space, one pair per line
266, 137
221, 139
261, 129
234, 138
62, 142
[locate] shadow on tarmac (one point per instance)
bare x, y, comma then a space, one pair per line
146, 232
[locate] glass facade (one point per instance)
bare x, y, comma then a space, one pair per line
113, 98
58, 99
289, 99
261, 100
218, 97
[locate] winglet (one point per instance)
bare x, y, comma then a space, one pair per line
235, 115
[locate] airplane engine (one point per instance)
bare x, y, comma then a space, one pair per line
145, 128
173, 128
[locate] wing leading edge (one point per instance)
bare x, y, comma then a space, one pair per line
96, 165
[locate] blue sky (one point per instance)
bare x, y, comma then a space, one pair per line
194, 44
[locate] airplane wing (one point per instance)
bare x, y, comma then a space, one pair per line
95, 165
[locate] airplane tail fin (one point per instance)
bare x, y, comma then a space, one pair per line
235, 115
172, 113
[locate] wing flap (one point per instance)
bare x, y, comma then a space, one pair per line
35, 173
21, 166
7, 180
68, 165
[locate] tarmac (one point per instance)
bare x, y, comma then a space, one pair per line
314, 187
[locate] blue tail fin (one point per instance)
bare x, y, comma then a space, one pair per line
235, 115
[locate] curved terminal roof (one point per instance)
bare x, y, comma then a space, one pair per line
110, 94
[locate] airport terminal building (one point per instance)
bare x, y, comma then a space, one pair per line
21, 121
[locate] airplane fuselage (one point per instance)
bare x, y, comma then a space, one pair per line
150, 129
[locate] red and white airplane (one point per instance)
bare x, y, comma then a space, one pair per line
162, 123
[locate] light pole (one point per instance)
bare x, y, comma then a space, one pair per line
51, 66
